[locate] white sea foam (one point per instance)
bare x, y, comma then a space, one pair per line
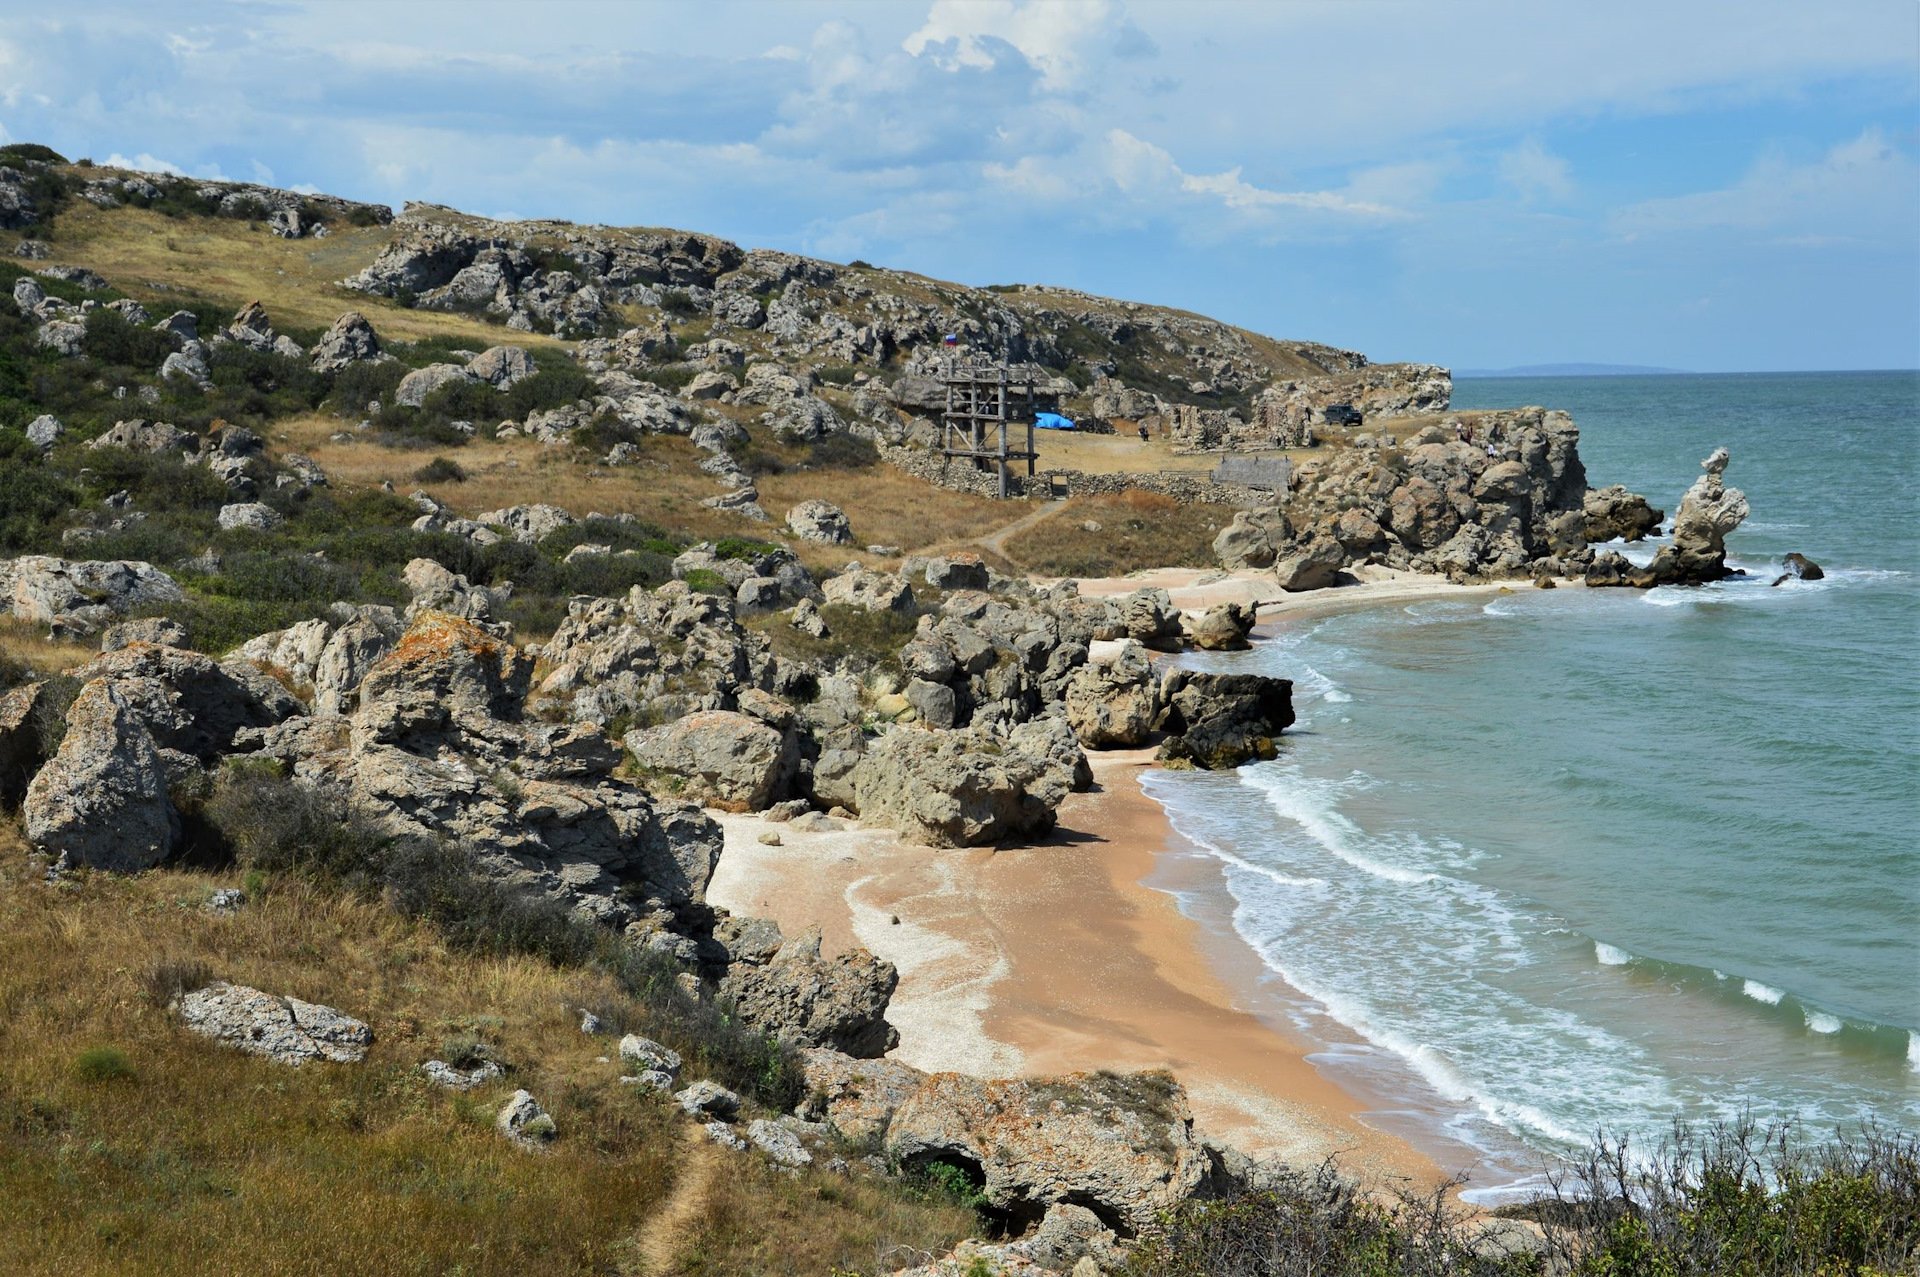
1303, 802
1821, 1022
1913, 1051
1608, 956
1762, 992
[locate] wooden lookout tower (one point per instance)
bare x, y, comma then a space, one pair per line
985, 404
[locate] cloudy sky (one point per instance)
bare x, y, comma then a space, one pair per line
1699, 185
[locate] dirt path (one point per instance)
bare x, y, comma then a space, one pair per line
699, 1161
996, 541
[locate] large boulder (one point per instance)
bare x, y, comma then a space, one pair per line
1122, 1146
721, 759
820, 521
83, 593
1149, 616
956, 788
21, 751
351, 340
501, 366
1247, 542
1615, 514
800, 997
285, 1030
857, 1097
1221, 629
1312, 565
102, 801
1112, 704
421, 382
141, 435
1218, 721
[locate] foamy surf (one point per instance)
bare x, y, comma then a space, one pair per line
1608, 956
1762, 992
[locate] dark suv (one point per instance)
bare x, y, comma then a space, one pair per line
1343, 414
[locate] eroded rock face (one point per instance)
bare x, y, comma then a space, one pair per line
1222, 629
285, 1030
795, 994
1120, 1146
101, 802
1247, 542
1614, 514
81, 594
438, 747
1314, 565
723, 758
1218, 721
857, 1097
1113, 704
1708, 513
956, 789
421, 382
820, 521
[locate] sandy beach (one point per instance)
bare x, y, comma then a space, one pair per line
1057, 957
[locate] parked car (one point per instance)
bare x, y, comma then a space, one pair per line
1343, 414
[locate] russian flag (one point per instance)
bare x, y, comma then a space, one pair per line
951, 339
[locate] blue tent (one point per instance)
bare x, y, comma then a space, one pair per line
1052, 421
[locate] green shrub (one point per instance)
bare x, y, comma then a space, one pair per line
363, 382
436, 882
742, 549
842, 451
31, 151
117, 343
440, 470
677, 302
707, 581
272, 823
103, 1064
33, 496
671, 377
549, 388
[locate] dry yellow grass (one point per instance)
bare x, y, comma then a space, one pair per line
1129, 533
171, 1155
151, 256
30, 646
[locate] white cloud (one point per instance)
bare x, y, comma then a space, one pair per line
1865, 188
1063, 38
1536, 173
144, 163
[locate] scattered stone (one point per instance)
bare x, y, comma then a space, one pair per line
283, 1029
226, 901
1800, 567
524, 1123
591, 1024
725, 1136
780, 1145
770, 838
251, 516
649, 1055
351, 340
710, 1100
440, 1073
820, 521
44, 431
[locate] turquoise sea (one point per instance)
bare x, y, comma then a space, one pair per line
1549, 863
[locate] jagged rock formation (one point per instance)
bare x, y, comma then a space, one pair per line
788, 989
1509, 503
1120, 1146
1697, 552
1614, 514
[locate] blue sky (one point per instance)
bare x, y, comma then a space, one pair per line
1699, 185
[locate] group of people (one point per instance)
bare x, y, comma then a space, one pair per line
1463, 430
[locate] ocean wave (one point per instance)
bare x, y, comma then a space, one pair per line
1608, 956
1308, 806
1822, 1023
1762, 992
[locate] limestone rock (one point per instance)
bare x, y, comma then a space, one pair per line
148, 629
1709, 511
1614, 514
649, 1055
1113, 704
1149, 617
524, 1123
501, 366
350, 340
44, 431
101, 802
953, 789
710, 1100
857, 1097
141, 435
726, 759
1122, 1146
529, 522
249, 515
20, 748
440, 1073
283, 1029
421, 382
80, 593
1800, 567
1314, 565
819, 521
1219, 721
1247, 542
797, 995
1223, 628
780, 1145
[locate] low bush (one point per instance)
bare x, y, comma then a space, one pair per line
103, 1064
441, 470
169, 978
